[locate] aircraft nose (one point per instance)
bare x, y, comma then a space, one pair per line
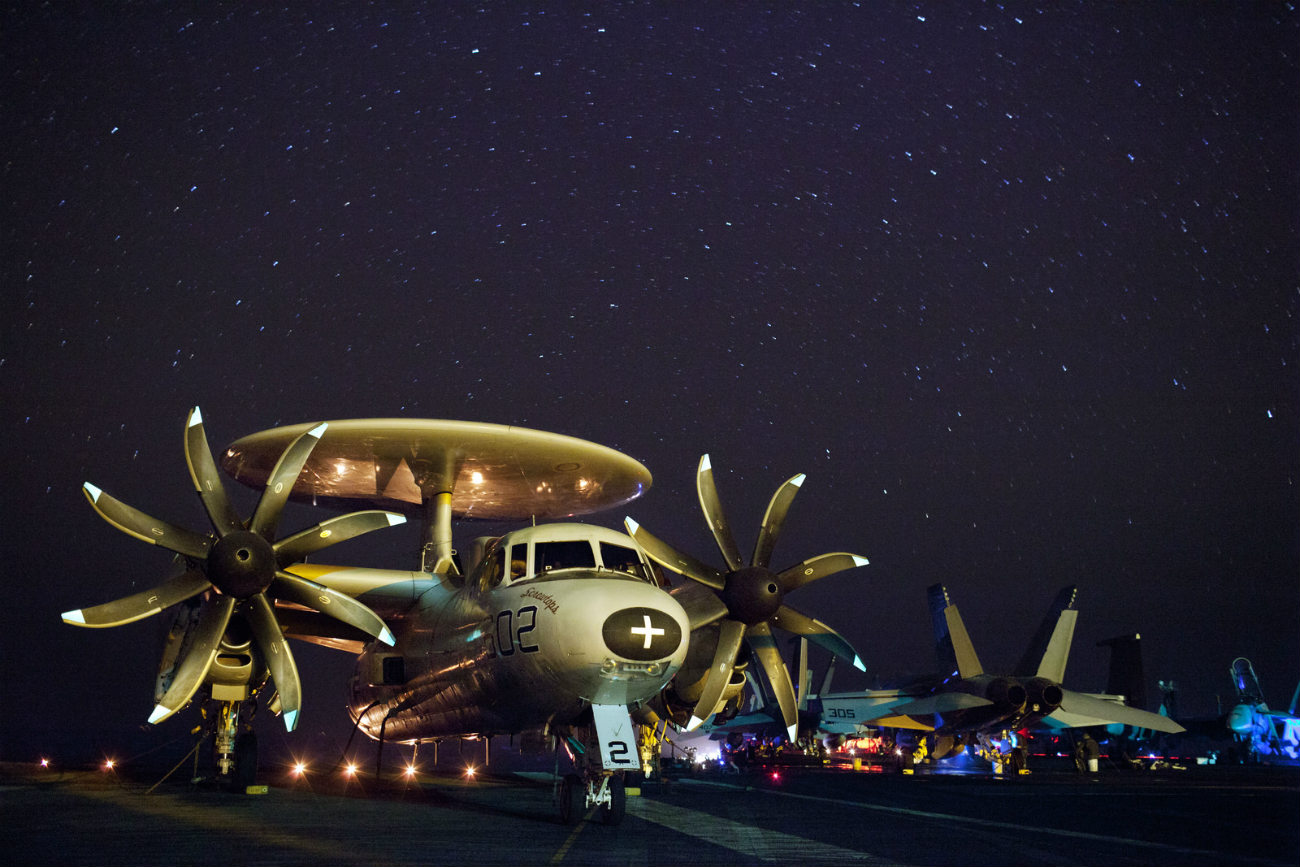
642, 634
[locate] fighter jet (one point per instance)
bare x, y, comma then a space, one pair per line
965, 704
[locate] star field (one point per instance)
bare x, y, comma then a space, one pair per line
1014, 285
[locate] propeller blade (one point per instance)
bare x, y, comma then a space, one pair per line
297, 547
778, 676
193, 669
203, 471
814, 630
279, 659
135, 523
711, 505
140, 605
715, 682
702, 604
814, 568
331, 602
280, 482
773, 520
670, 558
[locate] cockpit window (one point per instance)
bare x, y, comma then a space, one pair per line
491, 569
518, 561
549, 556
623, 559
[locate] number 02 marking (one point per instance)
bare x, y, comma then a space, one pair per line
511, 628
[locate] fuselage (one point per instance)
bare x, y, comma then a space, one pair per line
553, 619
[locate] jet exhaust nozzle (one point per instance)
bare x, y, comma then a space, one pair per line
1044, 696
1007, 693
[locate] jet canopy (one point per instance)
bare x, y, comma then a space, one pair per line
552, 550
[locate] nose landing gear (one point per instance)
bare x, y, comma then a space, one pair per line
605, 791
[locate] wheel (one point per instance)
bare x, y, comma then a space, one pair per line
573, 799
244, 773
613, 814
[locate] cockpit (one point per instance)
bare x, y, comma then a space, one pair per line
537, 553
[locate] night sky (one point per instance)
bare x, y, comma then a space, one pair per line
1016, 287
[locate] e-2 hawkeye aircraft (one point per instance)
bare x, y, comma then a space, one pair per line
564, 628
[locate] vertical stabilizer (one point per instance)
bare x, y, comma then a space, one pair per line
1126, 676
1031, 663
1057, 653
804, 674
937, 597
826, 681
968, 664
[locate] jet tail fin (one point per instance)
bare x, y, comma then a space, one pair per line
1057, 653
1126, 676
968, 663
801, 698
952, 644
1045, 650
937, 597
826, 681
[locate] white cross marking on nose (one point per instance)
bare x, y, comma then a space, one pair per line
648, 631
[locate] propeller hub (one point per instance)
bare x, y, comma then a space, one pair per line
241, 564
752, 595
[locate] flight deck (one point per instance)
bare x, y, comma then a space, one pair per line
1209, 816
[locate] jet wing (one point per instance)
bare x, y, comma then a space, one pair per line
1080, 710
943, 702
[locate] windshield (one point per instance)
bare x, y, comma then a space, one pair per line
550, 556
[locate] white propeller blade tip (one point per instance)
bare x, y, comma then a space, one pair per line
319, 430
196, 417
290, 720
74, 617
798, 480
632, 526
858, 663
92, 491
860, 561
394, 519
387, 638
160, 713
705, 463
694, 723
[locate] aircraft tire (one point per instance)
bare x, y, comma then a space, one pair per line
244, 772
573, 799
613, 814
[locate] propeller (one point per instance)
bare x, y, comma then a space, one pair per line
239, 567
752, 596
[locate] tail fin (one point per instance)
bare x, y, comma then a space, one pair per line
1126, 677
804, 674
826, 681
1049, 649
952, 645
937, 596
